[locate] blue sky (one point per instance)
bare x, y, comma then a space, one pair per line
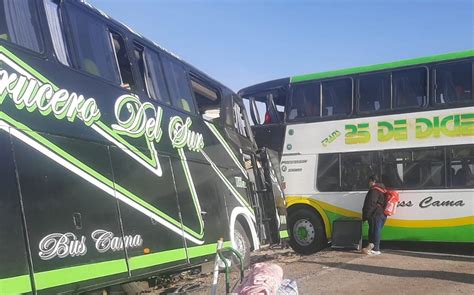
241, 43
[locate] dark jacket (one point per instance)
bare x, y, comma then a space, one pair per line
374, 204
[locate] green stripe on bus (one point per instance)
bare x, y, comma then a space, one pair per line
148, 260
203, 250
384, 66
69, 275
15, 285
64, 276
460, 234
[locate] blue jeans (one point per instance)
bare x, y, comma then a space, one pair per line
376, 224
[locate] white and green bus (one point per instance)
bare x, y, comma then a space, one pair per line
411, 122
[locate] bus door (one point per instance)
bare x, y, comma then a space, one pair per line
267, 117
269, 197
264, 190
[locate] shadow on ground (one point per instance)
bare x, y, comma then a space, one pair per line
398, 272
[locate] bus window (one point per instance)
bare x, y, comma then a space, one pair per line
432, 167
207, 100
305, 101
262, 109
337, 97
178, 85
56, 31
454, 83
259, 111
93, 44
393, 164
356, 169
409, 88
419, 169
328, 178
461, 166
151, 71
374, 92
19, 24
240, 120
123, 62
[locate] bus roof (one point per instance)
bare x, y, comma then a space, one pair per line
383, 66
146, 41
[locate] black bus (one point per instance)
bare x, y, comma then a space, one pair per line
119, 161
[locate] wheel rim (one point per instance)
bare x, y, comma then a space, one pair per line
239, 243
304, 232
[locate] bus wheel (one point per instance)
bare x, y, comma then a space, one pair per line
242, 243
307, 234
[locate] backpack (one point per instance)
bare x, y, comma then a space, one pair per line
391, 200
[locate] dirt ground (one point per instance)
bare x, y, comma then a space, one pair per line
399, 270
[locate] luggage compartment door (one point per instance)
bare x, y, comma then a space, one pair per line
71, 214
14, 271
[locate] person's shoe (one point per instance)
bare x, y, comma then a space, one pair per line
368, 249
372, 252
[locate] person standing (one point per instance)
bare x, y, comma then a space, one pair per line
373, 213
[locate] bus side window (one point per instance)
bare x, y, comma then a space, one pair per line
19, 24
178, 85
151, 71
356, 169
374, 92
240, 119
454, 83
410, 88
418, 169
123, 62
207, 99
337, 97
328, 179
461, 166
305, 101
94, 51
56, 30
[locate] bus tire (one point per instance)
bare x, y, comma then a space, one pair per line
242, 243
306, 229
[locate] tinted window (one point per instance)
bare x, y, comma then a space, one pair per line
56, 31
263, 108
417, 169
356, 169
259, 113
178, 85
19, 24
93, 45
461, 166
374, 93
123, 62
328, 173
207, 100
240, 119
409, 88
454, 83
337, 97
151, 70
305, 101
